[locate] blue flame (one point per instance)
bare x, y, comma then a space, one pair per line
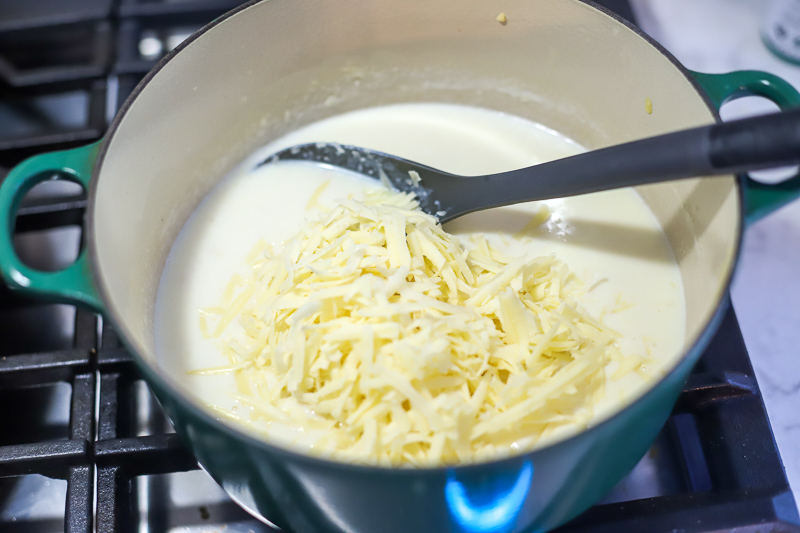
497, 511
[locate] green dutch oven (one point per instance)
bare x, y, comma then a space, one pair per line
274, 65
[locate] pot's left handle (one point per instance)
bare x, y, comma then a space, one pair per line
73, 284
761, 199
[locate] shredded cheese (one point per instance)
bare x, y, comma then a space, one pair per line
389, 341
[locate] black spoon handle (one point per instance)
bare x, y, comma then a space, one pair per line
762, 142
766, 141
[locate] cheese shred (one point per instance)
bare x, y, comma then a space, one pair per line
388, 341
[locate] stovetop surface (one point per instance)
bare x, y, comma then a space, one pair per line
83, 444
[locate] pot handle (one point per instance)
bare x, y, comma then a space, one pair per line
73, 284
760, 199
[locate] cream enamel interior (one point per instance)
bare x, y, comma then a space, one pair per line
280, 64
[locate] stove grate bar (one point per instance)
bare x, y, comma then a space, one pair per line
705, 388
51, 215
52, 459
80, 500
147, 455
204, 9
13, 151
727, 511
42, 368
23, 16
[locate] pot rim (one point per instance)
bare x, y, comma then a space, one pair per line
151, 373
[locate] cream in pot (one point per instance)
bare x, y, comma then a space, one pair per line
611, 240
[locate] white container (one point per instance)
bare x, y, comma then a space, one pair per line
780, 29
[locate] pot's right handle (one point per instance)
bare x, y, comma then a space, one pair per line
760, 198
74, 283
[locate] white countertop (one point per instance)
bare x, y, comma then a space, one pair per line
720, 36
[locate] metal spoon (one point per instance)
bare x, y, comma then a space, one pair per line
766, 141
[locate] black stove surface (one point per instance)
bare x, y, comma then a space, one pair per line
84, 446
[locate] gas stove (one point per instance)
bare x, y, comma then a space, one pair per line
83, 444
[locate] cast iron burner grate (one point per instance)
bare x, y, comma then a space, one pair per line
83, 445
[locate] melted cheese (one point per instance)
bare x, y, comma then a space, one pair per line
374, 305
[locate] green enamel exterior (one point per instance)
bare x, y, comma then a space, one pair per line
74, 283
761, 199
